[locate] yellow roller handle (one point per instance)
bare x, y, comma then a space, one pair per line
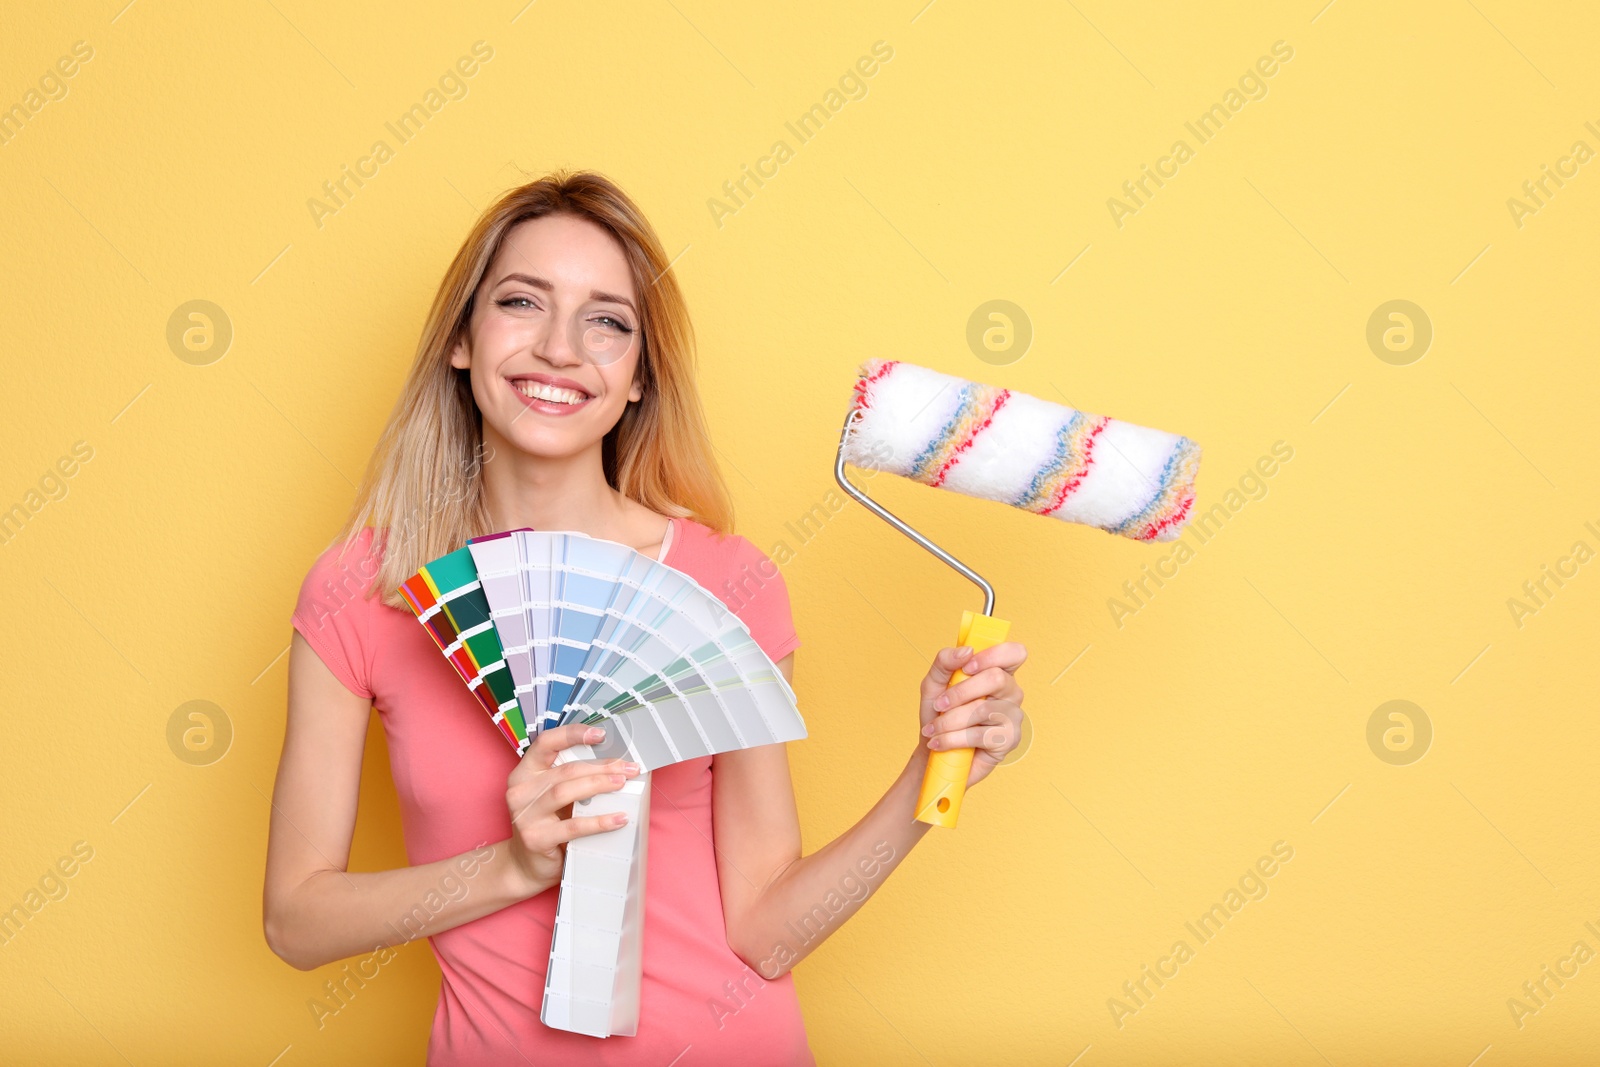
944, 783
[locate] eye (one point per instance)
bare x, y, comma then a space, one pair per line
516, 302
613, 322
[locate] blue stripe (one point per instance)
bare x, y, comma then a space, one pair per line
932, 450
1063, 438
1179, 450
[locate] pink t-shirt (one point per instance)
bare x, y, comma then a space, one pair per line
699, 1003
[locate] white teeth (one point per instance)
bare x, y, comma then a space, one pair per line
554, 394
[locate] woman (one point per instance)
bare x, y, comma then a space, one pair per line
553, 389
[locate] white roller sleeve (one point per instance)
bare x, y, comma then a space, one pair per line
988, 442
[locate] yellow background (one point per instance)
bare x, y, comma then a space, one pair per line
1227, 714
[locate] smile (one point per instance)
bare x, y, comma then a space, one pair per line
547, 398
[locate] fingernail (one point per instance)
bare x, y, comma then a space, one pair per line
963, 652
941, 703
927, 731
933, 743
618, 819
594, 733
630, 768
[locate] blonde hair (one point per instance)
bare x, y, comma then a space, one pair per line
422, 492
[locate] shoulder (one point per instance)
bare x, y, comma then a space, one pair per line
744, 578
726, 558
343, 571
335, 604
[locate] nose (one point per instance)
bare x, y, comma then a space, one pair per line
555, 346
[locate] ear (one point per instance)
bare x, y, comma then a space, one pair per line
460, 358
635, 391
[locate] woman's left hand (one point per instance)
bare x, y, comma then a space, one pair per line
982, 712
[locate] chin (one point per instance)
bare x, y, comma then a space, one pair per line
537, 437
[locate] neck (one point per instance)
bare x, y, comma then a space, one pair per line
549, 493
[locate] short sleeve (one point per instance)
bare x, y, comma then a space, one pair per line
755, 591
333, 612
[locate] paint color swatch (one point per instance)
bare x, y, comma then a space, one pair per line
449, 602
551, 628
592, 631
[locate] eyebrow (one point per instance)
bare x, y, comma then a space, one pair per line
540, 283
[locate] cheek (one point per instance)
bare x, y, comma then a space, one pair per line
609, 408
499, 336
493, 342
618, 378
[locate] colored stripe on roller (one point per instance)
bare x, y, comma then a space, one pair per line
1035, 455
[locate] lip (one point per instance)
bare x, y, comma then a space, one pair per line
549, 407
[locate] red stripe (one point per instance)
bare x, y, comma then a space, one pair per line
418, 595
1000, 402
510, 734
861, 402
1155, 528
1088, 461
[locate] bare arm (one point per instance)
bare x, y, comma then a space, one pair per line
780, 905
316, 911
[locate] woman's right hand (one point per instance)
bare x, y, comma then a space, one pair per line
540, 795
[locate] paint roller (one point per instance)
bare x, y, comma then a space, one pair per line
992, 443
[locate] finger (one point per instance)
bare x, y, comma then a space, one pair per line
550, 742
988, 711
541, 797
1007, 655
995, 681
553, 797
590, 785
972, 713
576, 767
945, 663
996, 738
579, 768
586, 825
547, 748
549, 837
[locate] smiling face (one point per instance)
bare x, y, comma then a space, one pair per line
554, 338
